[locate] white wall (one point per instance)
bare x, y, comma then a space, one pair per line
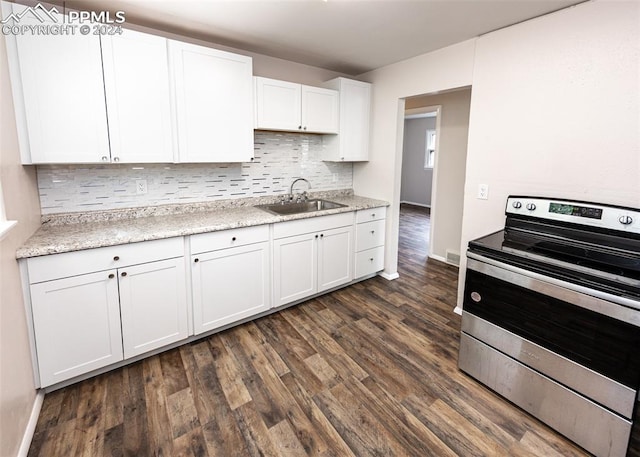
17, 389
555, 110
447, 68
416, 179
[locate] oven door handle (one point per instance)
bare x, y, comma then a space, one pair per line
594, 300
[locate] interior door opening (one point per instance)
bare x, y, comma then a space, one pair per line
434, 155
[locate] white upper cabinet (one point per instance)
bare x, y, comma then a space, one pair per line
136, 80
320, 111
214, 101
59, 95
352, 144
282, 105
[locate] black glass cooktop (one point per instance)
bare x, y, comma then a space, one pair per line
600, 261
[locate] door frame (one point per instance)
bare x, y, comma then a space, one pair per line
434, 178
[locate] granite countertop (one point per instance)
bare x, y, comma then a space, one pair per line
87, 231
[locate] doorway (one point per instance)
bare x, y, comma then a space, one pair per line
419, 151
447, 157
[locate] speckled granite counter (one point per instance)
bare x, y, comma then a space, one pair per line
143, 224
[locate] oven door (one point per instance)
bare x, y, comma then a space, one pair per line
581, 341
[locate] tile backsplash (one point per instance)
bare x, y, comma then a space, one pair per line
279, 159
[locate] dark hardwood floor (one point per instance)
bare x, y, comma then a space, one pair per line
369, 370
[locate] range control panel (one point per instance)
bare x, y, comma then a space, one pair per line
593, 214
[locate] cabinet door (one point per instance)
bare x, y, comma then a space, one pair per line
354, 120
352, 144
63, 94
320, 110
277, 104
229, 285
214, 98
76, 324
335, 251
295, 268
136, 79
153, 302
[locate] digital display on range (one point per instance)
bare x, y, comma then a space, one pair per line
575, 210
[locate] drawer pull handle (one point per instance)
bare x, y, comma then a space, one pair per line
116, 258
196, 260
233, 239
123, 274
111, 276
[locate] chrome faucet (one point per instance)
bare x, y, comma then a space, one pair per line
302, 196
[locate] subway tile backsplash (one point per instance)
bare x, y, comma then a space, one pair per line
279, 159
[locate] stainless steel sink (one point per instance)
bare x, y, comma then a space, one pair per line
309, 206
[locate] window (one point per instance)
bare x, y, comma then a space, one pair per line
430, 149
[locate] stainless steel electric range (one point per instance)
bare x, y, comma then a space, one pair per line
551, 316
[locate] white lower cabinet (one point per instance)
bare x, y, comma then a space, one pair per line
229, 285
296, 271
370, 230
153, 305
76, 324
93, 308
308, 263
88, 320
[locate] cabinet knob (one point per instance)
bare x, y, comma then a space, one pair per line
373, 214
305, 127
233, 239
322, 235
341, 158
123, 274
373, 231
316, 236
252, 159
196, 260
116, 159
299, 127
111, 276
116, 258
371, 259
105, 158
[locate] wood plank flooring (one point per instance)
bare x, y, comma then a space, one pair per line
369, 370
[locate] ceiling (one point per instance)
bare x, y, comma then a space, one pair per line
347, 36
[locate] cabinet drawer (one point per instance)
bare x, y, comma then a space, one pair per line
229, 238
68, 264
369, 262
371, 214
312, 224
369, 235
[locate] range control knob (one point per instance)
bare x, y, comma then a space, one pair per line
517, 205
531, 206
626, 220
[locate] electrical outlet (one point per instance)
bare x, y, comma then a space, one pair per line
483, 191
141, 186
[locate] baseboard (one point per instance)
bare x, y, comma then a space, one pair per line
457, 310
31, 425
443, 260
390, 276
415, 204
